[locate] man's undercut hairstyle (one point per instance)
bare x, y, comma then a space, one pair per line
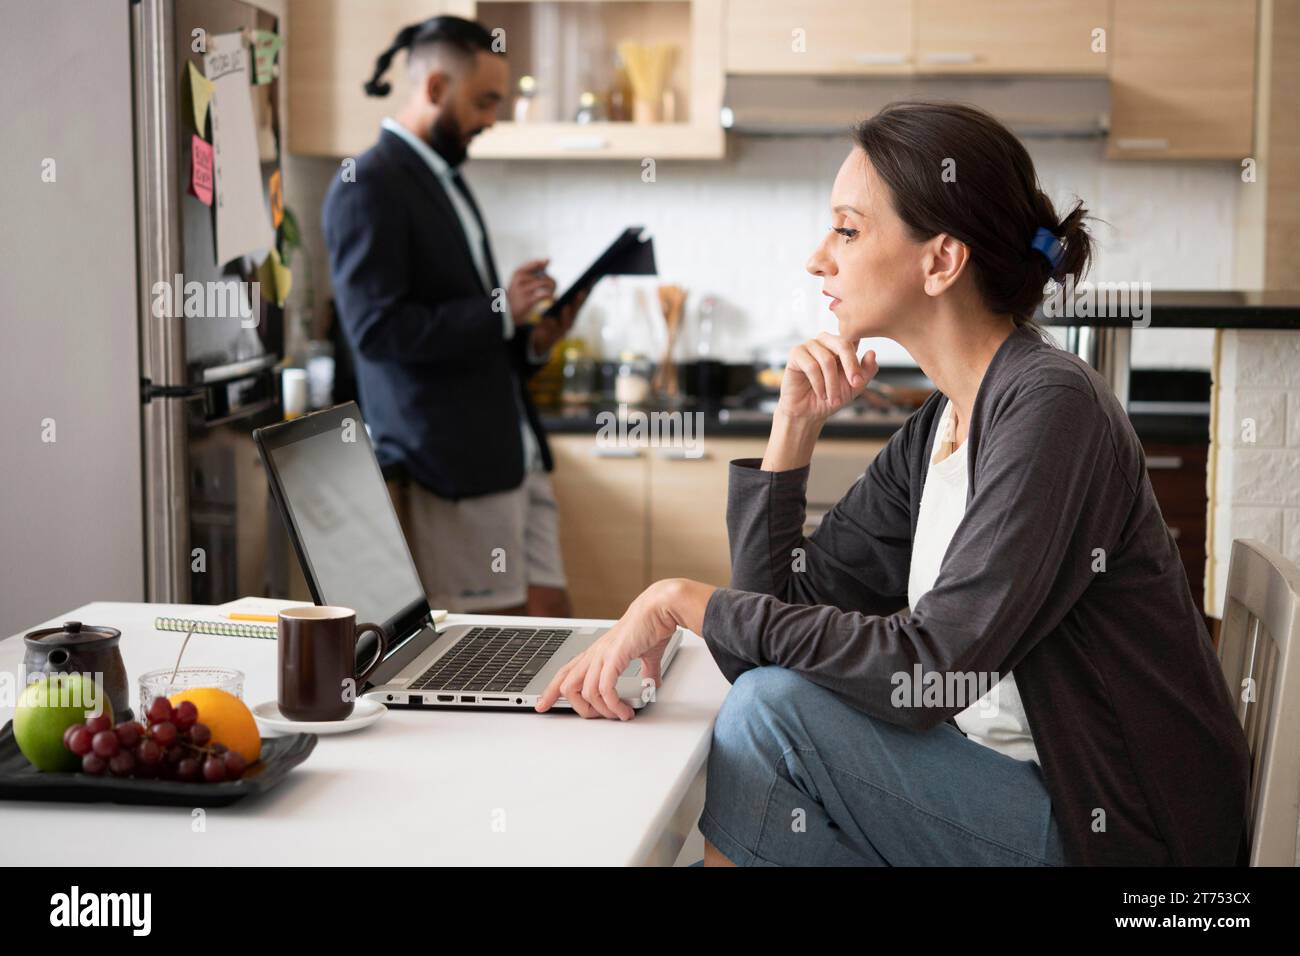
448, 41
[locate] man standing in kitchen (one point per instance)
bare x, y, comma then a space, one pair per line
443, 351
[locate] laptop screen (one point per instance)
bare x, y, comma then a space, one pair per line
348, 533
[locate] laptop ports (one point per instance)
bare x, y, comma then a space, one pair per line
467, 699
446, 698
415, 700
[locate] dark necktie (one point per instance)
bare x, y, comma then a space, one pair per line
463, 189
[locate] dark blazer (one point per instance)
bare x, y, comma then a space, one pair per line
435, 374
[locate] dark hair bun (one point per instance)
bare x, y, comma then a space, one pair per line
1075, 237
993, 204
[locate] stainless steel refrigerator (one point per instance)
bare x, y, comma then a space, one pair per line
207, 380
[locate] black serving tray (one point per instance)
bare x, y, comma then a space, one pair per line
19, 780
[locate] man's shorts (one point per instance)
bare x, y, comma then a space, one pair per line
482, 553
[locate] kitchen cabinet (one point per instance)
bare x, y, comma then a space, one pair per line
823, 37
331, 53
1178, 478
1010, 36
1182, 79
688, 509
604, 528
568, 46
818, 36
632, 516
836, 465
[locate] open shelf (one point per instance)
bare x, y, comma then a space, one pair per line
570, 47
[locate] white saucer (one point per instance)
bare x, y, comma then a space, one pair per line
364, 713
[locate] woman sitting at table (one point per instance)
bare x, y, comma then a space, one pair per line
1052, 696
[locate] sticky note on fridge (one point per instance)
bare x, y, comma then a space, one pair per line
275, 278
277, 200
201, 170
266, 46
200, 97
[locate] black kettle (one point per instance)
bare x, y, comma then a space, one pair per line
80, 648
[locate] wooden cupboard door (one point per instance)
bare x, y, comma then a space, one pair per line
818, 36
688, 509
1182, 79
331, 53
836, 464
603, 523
688, 501
836, 467
1010, 36
1178, 478
653, 513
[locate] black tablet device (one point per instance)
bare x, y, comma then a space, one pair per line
632, 253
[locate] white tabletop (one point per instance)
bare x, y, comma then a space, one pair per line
467, 787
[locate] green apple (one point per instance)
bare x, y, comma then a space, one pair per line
49, 706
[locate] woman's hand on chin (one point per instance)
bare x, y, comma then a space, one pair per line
589, 682
823, 375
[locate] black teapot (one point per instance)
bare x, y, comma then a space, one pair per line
79, 648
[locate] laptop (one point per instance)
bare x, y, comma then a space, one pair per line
340, 519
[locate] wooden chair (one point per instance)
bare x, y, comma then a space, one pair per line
1260, 643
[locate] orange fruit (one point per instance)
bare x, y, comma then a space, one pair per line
228, 717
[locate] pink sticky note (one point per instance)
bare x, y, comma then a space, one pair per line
201, 170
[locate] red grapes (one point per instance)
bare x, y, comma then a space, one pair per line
171, 745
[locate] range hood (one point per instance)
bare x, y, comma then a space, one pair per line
827, 105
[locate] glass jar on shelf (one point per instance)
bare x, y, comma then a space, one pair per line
632, 383
526, 101
579, 386
589, 109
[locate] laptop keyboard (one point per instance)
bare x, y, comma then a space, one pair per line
493, 659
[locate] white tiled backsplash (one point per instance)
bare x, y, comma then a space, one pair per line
1254, 491
741, 229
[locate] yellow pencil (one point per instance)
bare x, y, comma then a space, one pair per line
271, 618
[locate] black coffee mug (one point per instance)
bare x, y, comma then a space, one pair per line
318, 678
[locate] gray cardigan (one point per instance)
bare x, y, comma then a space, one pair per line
1132, 718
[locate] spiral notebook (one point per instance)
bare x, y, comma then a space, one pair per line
248, 605
223, 628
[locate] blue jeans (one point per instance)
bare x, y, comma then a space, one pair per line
797, 777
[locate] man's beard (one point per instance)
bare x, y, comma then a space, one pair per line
448, 139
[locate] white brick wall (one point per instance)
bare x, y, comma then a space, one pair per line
1256, 492
742, 228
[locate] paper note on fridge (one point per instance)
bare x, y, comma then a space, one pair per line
275, 277
243, 221
200, 97
201, 170
266, 45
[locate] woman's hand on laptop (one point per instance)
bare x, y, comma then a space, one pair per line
589, 682
823, 375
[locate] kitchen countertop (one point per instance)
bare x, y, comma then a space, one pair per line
726, 421
1171, 309
1183, 424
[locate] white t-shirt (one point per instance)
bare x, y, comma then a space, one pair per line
997, 719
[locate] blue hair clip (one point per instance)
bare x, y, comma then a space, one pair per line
1050, 247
